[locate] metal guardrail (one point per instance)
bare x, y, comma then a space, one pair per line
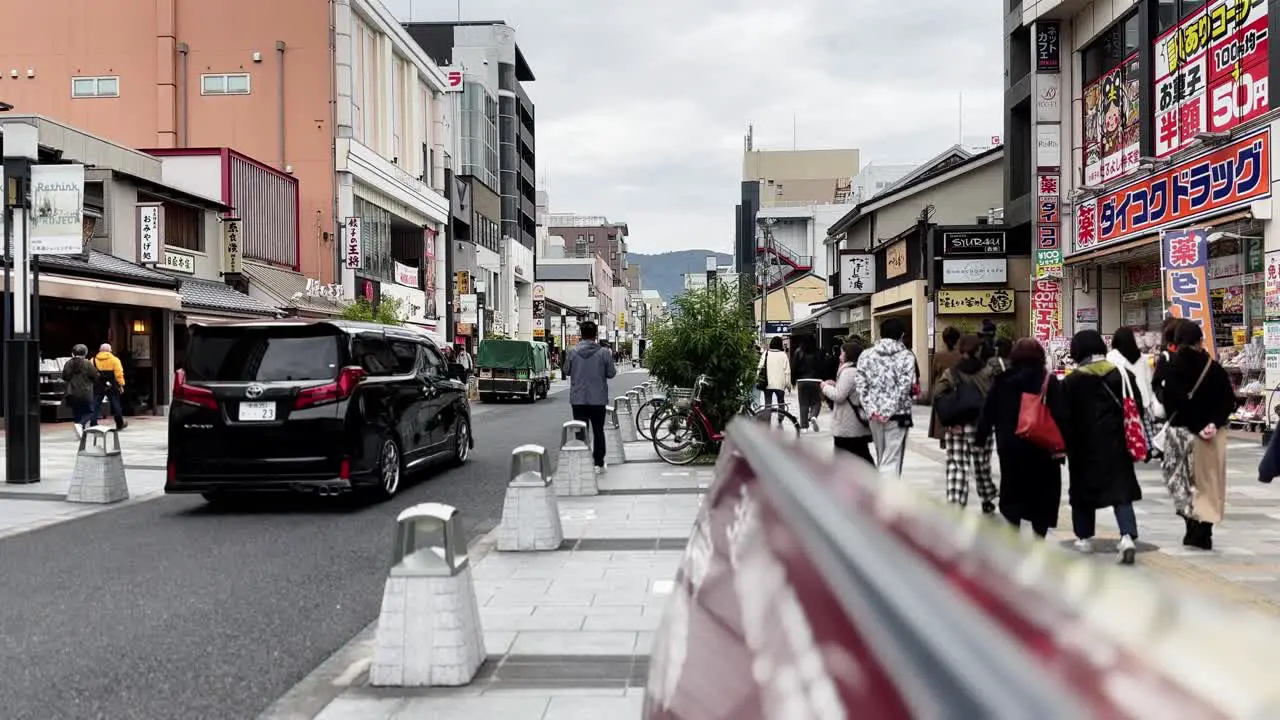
940, 613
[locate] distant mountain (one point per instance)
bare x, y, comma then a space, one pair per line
665, 272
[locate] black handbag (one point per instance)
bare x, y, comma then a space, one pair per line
961, 406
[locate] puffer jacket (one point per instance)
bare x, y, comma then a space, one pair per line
844, 396
886, 375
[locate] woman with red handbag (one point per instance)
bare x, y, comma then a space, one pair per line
1103, 429
1030, 472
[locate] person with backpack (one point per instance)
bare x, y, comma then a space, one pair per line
110, 385
81, 377
1030, 474
958, 398
806, 371
849, 426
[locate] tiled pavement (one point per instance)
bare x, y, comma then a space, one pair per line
567, 633
26, 507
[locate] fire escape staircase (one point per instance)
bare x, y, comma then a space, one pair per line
780, 262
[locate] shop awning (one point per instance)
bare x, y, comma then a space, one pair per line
289, 289
101, 291
1145, 240
223, 299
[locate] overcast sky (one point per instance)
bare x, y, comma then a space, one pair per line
642, 106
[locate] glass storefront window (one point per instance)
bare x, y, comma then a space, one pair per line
1236, 290
1141, 297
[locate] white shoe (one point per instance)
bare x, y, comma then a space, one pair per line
1083, 546
813, 424
1127, 551
79, 430
601, 468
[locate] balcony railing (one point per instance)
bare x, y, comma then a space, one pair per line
815, 588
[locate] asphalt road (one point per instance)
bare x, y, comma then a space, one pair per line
170, 609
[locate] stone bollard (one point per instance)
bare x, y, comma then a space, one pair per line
429, 627
625, 414
575, 474
614, 453
530, 513
98, 476
637, 399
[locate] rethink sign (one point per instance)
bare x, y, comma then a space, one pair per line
57, 209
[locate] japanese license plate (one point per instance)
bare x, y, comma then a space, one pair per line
257, 411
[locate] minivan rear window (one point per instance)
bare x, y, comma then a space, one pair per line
268, 354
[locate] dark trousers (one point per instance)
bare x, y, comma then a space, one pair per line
593, 416
1016, 522
810, 397
1084, 520
81, 411
771, 393
112, 396
860, 447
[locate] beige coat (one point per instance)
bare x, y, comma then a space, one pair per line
777, 369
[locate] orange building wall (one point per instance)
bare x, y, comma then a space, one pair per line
137, 40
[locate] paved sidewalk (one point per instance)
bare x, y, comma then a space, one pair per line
24, 508
567, 633
1243, 568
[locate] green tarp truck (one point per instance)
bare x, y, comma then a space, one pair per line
513, 369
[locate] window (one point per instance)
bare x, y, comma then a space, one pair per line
406, 354
431, 364
95, 87
230, 84
1112, 88
263, 355
381, 357
183, 227
357, 86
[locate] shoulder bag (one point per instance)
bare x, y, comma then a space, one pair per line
962, 405
1135, 435
1161, 440
1036, 424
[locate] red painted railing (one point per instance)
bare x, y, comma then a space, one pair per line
813, 588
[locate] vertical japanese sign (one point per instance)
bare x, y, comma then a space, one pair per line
232, 247
1272, 285
351, 242
1046, 310
1185, 261
1048, 46
150, 224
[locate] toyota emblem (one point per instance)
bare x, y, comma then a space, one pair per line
254, 391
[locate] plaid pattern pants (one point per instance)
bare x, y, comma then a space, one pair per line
965, 459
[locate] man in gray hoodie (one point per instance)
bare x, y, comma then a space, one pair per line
589, 368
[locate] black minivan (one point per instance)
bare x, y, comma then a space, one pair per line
320, 406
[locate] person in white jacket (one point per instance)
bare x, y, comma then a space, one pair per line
1125, 354
774, 371
849, 426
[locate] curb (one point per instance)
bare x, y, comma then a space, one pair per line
348, 667
79, 514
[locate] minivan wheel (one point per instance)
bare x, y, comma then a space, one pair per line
461, 442
390, 468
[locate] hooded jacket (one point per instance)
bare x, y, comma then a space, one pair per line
886, 374
109, 364
589, 368
844, 397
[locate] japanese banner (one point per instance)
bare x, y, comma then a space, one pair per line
1271, 285
1185, 260
1230, 176
1048, 226
1046, 309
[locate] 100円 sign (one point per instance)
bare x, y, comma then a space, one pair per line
975, 302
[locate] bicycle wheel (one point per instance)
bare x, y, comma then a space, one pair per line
691, 449
644, 417
778, 420
671, 428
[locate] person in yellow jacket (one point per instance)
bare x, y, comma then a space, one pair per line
110, 385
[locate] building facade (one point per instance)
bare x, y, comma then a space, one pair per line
493, 145
1131, 125
593, 235
336, 95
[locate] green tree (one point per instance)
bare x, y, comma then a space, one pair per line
387, 312
706, 332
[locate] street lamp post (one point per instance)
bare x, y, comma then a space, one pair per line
20, 147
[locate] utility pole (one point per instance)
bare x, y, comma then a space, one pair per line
20, 149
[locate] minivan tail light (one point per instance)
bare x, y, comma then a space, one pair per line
339, 389
192, 394
344, 470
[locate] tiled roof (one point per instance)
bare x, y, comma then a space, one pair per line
210, 295
102, 264
289, 287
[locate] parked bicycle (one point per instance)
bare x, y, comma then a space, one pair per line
681, 432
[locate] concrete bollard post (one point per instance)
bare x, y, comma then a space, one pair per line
624, 411
637, 398
575, 474
530, 513
99, 475
614, 453
429, 627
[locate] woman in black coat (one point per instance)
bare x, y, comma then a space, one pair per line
1030, 476
1098, 462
